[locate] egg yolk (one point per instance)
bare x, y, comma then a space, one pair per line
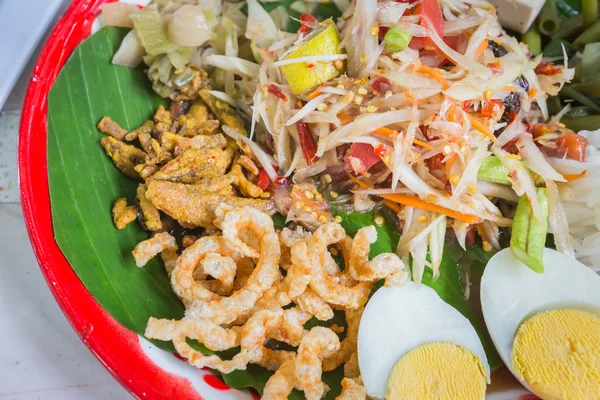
557, 353
437, 371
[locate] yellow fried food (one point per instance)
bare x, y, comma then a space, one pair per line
325, 40
110, 127
192, 205
123, 214
125, 156
557, 353
155, 154
348, 345
193, 165
146, 127
352, 390
150, 217
246, 188
224, 112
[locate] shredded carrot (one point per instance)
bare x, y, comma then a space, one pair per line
453, 114
435, 74
423, 144
481, 127
449, 164
509, 88
532, 93
314, 93
413, 201
385, 131
482, 48
572, 177
395, 207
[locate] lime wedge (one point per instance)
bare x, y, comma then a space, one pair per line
302, 76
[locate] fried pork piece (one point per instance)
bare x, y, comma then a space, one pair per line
246, 187
190, 90
149, 215
125, 156
123, 214
155, 153
177, 144
146, 171
191, 127
163, 121
224, 112
146, 127
194, 205
177, 108
198, 111
194, 165
247, 163
110, 127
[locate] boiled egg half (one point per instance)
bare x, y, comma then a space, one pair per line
413, 346
546, 326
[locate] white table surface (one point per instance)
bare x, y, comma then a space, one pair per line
41, 357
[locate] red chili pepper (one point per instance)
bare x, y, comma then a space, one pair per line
263, 180
490, 108
511, 146
435, 162
466, 105
381, 85
307, 142
547, 68
274, 90
380, 150
307, 21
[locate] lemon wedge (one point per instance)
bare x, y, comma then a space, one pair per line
302, 76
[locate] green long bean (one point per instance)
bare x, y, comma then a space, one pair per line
548, 21
492, 170
589, 10
588, 123
590, 35
528, 237
587, 89
569, 28
570, 93
533, 40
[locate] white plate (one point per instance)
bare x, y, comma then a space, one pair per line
22, 25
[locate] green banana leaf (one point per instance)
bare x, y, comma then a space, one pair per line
84, 184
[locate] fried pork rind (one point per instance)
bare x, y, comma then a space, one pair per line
224, 112
312, 303
203, 330
349, 344
193, 205
318, 344
125, 156
148, 249
352, 390
123, 214
149, 215
193, 165
281, 383
110, 127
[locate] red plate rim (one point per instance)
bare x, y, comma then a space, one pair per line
116, 347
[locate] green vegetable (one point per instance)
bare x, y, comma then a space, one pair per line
555, 48
493, 170
151, 31
568, 92
396, 39
590, 63
590, 35
548, 21
588, 89
529, 231
591, 122
569, 28
589, 10
576, 112
533, 40
568, 8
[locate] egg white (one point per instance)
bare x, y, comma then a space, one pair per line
398, 319
511, 293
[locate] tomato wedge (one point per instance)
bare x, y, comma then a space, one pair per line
430, 10
361, 157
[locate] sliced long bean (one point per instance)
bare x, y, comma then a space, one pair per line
589, 123
528, 237
548, 21
533, 40
589, 10
569, 28
590, 35
591, 89
492, 170
569, 92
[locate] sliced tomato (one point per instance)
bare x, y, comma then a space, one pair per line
360, 157
491, 108
307, 22
263, 180
430, 10
571, 145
